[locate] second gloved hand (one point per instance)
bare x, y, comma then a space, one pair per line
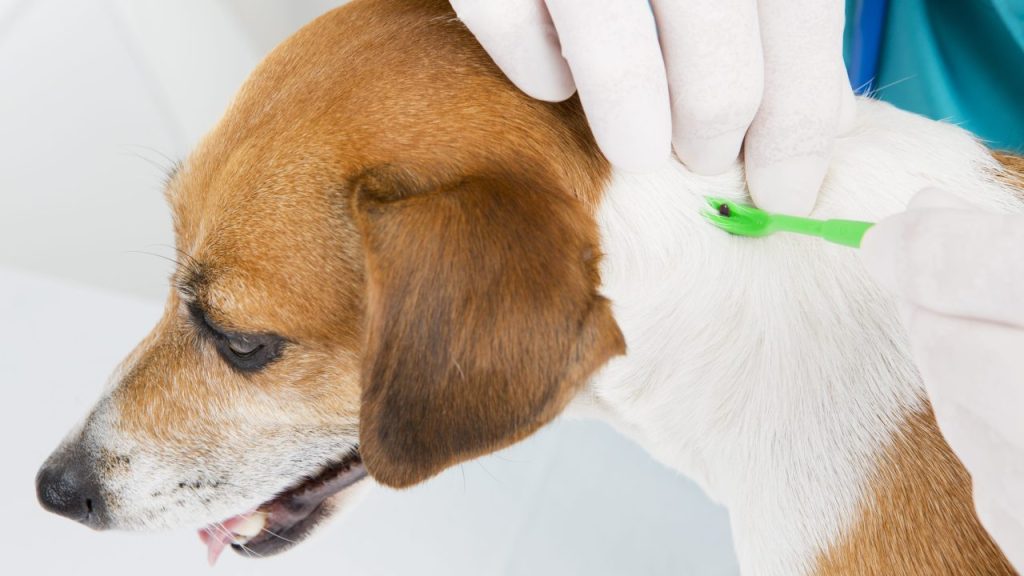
959, 272
700, 75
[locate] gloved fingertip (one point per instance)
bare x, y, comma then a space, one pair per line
549, 81
710, 156
938, 198
539, 71
787, 187
881, 251
640, 144
522, 41
636, 159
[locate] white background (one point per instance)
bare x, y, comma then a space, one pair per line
96, 97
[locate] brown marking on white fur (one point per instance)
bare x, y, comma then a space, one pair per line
919, 517
263, 212
1013, 170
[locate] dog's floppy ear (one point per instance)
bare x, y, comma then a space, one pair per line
483, 317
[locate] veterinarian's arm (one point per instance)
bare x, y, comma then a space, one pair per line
960, 273
698, 75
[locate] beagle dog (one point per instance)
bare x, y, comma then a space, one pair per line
392, 261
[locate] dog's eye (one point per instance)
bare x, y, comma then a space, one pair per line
244, 351
243, 345
249, 352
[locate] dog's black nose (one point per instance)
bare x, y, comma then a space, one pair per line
67, 487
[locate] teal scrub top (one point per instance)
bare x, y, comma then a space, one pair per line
961, 61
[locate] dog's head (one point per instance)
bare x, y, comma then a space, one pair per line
388, 263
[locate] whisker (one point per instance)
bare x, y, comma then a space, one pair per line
191, 264
276, 535
248, 550
231, 536
219, 527
222, 527
873, 93
163, 169
169, 170
488, 472
191, 259
155, 151
171, 260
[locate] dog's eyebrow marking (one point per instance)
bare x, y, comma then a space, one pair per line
192, 277
204, 327
268, 346
192, 281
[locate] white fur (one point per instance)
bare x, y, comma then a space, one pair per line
771, 371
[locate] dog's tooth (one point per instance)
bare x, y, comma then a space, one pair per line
250, 526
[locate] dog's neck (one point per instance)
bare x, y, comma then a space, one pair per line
773, 372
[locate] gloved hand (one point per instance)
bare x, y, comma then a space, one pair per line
699, 74
960, 273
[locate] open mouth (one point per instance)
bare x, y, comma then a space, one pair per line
282, 522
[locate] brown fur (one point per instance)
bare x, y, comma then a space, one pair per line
1013, 170
920, 517
465, 295
483, 317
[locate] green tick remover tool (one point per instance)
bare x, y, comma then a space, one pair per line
744, 220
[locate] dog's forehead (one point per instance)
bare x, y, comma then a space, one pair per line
262, 202
414, 89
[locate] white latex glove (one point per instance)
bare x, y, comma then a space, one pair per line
960, 273
701, 75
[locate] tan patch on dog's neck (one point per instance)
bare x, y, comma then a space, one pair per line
919, 518
1013, 170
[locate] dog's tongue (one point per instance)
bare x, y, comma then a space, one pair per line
237, 529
